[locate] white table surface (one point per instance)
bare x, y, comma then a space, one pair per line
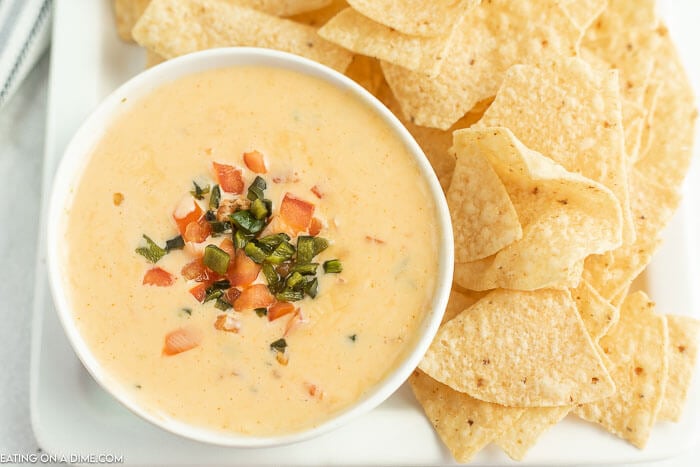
21, 155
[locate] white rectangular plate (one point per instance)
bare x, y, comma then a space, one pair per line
71, 414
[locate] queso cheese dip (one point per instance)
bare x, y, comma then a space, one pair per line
301, 253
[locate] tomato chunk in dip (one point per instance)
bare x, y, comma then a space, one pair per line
250, 250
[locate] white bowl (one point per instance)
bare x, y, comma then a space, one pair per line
76, 157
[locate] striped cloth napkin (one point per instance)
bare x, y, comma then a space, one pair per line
24, 35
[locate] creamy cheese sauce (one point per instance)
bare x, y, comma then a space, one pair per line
312, 134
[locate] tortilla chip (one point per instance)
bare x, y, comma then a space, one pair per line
671, 141
598, 314
415, 17
366, 72
153, 59
493, 37
484, 220
466, 425
321, 16
176, 27
361, 35
650, 100
519, 349
636, 348
435, 143
126, 14
583, 12
564, 216
460, 300
577, 110
623, 15
682, 351
652, 208
283, 7
525, 432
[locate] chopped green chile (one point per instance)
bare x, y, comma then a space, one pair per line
152, 252
246, 220
222, 304
305, 249
223, 284
176, 243
305, 269
288, 295
241, 239
284, 269
186, 311
218, 228
214, 197
332, 266
255, 253
353, 337
210, 216
280, 345
256, 190
272, 241
282, 253
311, 287
198, 192
295, 281
271, 276
261, 312
258, 209
216, 259
213, 294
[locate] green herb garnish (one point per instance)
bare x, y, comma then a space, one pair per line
256, 190
246, 220
214, 197
176, 243
198, 192
152, 252
216, 259
261, 312
332, 266
280, 345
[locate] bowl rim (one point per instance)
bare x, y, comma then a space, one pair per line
78, 153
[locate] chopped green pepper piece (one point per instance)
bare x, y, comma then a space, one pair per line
187, 311
152, 252
176, 243
246, 220
295, 281
279, 345
210, 216
199, 192
220, 227
271, 241
320, 244
214, 197
216, 259
257, 189
222, 304
288, 295
353, 337
255, 253
261, 312
282, 253
258, 209
240, 239
271, 275
213, 294
332, 266
223, 284
305, 269
305, 249
311, 287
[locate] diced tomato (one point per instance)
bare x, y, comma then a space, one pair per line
230, 178
296, 319
243, 270
181, 340
197, 231
317, 191
255, 296
279, 309
255, 162
227, 246
296, 213
158, 277
199, 291
188, 211
232, 294
228, 323
315, 227
197, 271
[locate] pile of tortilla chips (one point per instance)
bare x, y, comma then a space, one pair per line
561, 131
